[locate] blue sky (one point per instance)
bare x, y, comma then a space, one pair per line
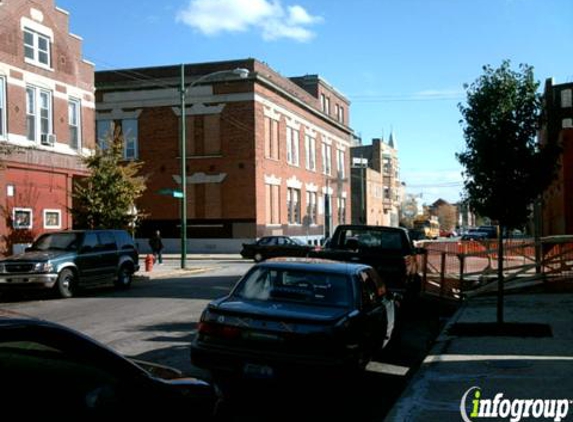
402, 63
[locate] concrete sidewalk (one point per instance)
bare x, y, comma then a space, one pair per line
517, 367
171, 266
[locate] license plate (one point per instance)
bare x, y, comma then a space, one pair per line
258, 371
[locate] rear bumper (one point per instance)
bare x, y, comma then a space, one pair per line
27, 281
225, 359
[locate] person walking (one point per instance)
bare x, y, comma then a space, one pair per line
156, 246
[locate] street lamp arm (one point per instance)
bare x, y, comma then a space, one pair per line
240, 72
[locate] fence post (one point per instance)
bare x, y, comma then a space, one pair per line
462, 259
442, 274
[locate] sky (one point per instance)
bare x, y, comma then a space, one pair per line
402, 63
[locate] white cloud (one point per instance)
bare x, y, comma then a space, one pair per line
212, 17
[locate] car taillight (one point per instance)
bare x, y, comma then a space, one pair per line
317, 248
218, 330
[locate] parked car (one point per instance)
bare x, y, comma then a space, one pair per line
275, 246
66, 260
475, 234
58, 372
291, 314
389, 250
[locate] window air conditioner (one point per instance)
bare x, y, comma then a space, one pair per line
48, 139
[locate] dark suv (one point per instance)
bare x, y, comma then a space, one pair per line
67, 259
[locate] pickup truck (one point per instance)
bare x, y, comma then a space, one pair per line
387, 249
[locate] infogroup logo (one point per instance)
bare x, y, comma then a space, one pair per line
514, 409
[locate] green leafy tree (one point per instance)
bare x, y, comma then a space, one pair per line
504, 167
105, 199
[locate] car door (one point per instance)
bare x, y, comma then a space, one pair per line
109, 257
375, 316
89, 257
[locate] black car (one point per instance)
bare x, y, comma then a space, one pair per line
52, 370
275, 246
65, 260
293, 314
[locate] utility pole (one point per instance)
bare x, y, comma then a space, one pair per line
183, 172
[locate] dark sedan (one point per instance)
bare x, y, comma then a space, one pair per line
52, 370
294, 314
275, 246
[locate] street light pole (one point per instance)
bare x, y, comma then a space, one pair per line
241, 73
183, 152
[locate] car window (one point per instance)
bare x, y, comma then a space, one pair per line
374, 239
106, 241
90, 243
124, 240
266, 241
282, 241
56, 241
317, 288
369, 290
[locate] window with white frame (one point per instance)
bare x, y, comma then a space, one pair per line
52, 219
566, 98
293, 146
341, 114
293, 206
36, 48
326, 159
74, 123
128, 130
271, 138
310, 151
311, 207
22, 218
3, 130
39, 118
340, 163
322, 102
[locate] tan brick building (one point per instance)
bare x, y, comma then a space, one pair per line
265, 154
47, 109
377, 192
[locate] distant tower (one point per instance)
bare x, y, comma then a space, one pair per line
392, 141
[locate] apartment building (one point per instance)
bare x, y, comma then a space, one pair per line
47, 111
265, 154
377, 192
557, 126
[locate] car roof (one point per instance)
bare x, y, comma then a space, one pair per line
313, 265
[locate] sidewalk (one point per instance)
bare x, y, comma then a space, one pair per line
171, 266
517, 367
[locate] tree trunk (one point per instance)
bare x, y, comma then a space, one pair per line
500, 277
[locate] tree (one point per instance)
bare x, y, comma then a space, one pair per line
106, 197
504, 168
447, 216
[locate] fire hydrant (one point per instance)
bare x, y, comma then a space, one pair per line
149, 260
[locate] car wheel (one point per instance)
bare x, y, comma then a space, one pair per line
124, 277
66, 283
258, 257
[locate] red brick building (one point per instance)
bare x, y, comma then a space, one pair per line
558, 127
265, 155
46, 109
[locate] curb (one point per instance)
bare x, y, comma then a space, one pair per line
170, 273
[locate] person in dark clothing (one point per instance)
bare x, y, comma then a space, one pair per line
156, 246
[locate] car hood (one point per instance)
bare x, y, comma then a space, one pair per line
278, 310
36, 256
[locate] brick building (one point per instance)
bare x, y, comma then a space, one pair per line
377, 192
47, 110
557, 204
265, 154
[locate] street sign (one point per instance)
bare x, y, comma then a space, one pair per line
171, 192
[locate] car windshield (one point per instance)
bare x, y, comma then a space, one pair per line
56, 241
315, 288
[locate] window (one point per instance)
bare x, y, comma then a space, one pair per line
311, 207
293, 145
38, 113
310, 151
566, 98
322, 102
3, 131
567, 123
340, 163
128, 129
36, 48
52, 219
337, 111
293, 205
272, 196
271, 138
74, 108
22, 218
341, 210
341, 114
326, 159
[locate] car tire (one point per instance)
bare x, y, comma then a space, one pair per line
66, 283
258, 257
124, 277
